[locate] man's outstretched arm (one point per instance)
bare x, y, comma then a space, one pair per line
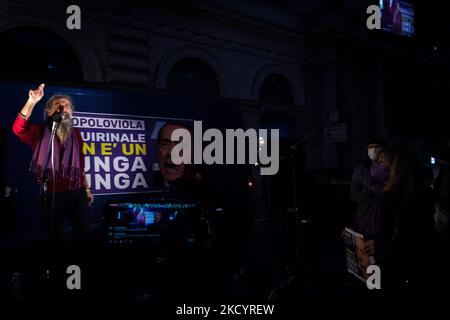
21, 127
34, 96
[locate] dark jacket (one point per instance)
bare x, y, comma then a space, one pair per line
402, 227
360, 190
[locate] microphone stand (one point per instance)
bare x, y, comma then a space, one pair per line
293, 209
49, 210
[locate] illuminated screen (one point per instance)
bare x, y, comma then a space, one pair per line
128, 222
397, 17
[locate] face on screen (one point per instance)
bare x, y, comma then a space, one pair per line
169, 170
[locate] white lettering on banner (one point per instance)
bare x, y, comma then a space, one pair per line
99, 163
114, 160
120, 164
120, 181
101, 181
138, 164
139, 181
112, 137
121, 178
108, 123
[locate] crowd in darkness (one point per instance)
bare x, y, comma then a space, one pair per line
396, 213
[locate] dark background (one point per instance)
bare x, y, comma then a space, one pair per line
251, 64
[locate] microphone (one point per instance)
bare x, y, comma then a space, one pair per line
58, 115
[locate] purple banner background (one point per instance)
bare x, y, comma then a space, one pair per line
120, 151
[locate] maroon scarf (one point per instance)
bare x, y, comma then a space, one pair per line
67, 162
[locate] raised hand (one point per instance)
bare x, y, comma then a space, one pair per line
34, 96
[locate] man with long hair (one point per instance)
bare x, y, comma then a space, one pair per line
66, 187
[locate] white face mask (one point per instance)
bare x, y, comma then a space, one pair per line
372, 153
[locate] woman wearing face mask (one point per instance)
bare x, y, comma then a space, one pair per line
367, 179
398, 225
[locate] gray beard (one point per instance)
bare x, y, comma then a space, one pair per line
64, 129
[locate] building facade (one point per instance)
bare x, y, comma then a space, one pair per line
312, 69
